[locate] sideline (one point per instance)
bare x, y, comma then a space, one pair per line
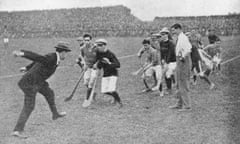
122, 57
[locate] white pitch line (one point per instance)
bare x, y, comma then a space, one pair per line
19, 74
9, 76
122, 57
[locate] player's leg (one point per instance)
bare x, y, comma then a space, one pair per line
49, 95
195, 71
146, 76
93, 77
86, 81
159, 74
109, 85
29, 104
169, 76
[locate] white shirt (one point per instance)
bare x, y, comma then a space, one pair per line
58, 58
183, 46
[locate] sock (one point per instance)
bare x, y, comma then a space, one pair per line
173, 79
168, 82
145, 83
115, 96
207, 72
160, 87
206, 79
194, 78
88, 93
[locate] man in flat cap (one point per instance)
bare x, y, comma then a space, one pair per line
168, 57
110, 64
34, 81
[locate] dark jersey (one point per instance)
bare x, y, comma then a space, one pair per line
108, 69
167, 49
195, 57
213, 38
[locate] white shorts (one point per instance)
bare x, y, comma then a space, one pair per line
109, 84
153, 69
209, 64
5, 40
89, 77
216, 60
171, 67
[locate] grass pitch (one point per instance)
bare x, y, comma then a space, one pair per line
144, 119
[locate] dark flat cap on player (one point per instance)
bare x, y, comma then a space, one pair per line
80, 39
156, 34
188, 33
164, 30
146, 41
101, 41
62, 46
87, 35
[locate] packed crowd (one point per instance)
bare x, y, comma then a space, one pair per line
224, 25
109, 21
105, 21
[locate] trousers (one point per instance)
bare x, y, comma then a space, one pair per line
30, 92
183, 79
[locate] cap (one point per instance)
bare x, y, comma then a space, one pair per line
80, 39
102, 41
62, 46
164, 30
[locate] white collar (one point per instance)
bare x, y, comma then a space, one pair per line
58, 58
180, 34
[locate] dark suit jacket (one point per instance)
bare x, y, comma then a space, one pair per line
40, 70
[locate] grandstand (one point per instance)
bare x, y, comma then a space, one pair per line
104, 21
222, 24
70, 22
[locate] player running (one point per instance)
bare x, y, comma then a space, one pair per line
110, 64
151, 67
196, 57
88, 53
168, 57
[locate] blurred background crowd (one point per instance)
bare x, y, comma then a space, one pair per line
105, 21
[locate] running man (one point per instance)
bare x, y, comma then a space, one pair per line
197, 60
110, 64
151, 67
168, 57
88, 53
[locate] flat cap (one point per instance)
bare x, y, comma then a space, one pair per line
63, 46
80, 39
102, 41
164, 30
156, 34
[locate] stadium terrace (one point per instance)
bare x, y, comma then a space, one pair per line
105, 21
